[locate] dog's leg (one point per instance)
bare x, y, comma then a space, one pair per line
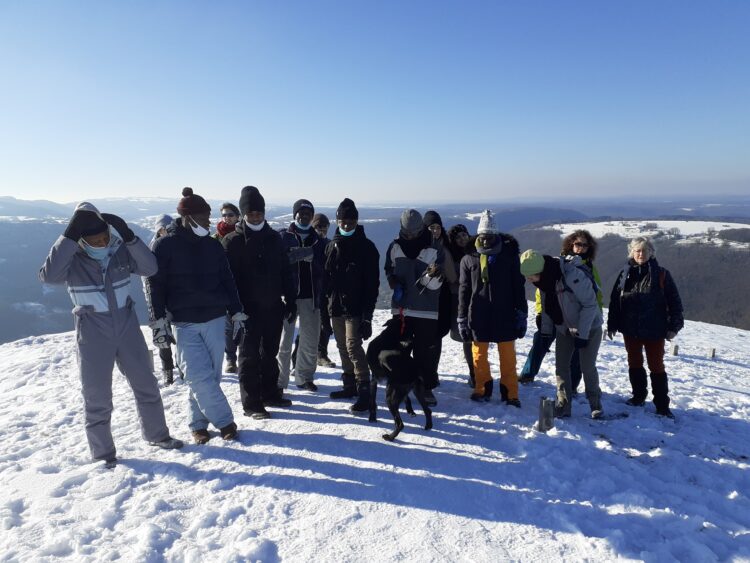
419, 393
409, 408
394, 396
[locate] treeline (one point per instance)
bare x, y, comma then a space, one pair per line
711, 278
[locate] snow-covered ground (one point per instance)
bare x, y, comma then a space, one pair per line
687, 231
316, 483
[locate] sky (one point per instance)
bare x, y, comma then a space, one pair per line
387, 101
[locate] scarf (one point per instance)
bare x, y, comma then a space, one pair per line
223, 229
487, 257
412, 247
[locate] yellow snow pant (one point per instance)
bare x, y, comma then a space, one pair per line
508, 374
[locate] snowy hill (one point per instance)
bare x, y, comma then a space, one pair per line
316, 483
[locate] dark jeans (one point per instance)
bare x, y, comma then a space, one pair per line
258, 369
165, 355
539, 348
423, 333
230, 346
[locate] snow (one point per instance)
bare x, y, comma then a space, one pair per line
316, 483
630, 229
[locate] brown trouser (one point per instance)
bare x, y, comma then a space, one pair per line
349, 343
654, 353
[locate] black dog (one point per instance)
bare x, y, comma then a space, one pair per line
400, 369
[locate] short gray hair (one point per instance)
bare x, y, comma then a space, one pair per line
641, 242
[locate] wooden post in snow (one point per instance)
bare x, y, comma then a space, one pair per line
675, 349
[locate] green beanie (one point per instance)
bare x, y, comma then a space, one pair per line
532, 263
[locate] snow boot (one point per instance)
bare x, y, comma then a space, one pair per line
168, 443
486, 396
503, 393
257, 411
201, 436
308, 386
277, 399
231, 366
168, 377
362, 405
638, 382
660, 389
229, 432
350, 388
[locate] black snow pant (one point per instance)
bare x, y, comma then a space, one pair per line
257, 367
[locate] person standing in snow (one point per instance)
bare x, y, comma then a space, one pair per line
306, 254
413, 266
578, 243
646, 308
95, 257
492, 308
460, 244
571, 313
192, 292
165, 353
352, 280
230, 215
261, 268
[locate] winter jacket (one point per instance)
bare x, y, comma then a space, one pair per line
194, 283
308, 275
99, 290
493, 308
421, 294
260, 266
641, 306
576, 296
597, 279
352, 275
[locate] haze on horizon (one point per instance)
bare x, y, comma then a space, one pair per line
381, 102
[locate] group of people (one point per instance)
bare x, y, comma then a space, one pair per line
242, 292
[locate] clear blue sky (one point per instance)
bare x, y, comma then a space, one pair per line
408, 100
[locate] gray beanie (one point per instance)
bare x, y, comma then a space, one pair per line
487, 225
411, 222
162, 222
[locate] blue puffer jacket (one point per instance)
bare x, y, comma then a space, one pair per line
194, 282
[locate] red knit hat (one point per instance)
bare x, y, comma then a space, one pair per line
192, 204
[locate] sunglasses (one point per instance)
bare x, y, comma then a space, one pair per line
229, 215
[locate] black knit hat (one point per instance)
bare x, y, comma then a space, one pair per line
320, 220
347, 210
192, 204
251, 200
432, 217
302, 204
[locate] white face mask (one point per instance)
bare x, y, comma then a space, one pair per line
197, 229
255, 228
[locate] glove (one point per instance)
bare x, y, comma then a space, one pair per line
463, 329
162, 333
365, 329
611, 334
579, 343
573, 332
81, 220
538, 321
521, 322
290, 312
671, 334
238, 325
120, 226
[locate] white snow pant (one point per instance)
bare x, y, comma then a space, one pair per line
100, 345
307, 352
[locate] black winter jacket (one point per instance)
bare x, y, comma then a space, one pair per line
492, 309
640, 307
352, 275
307, 275
193, 282
260, 266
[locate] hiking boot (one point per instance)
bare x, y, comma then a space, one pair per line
168, 443
277, 400
308, 386
363, 399
231, 366
350, 388
110, 463
326, 362
513, 403
168, 377
257, 411
229, 432
635, 402
429, 398
201, 436
597, 413
526, 379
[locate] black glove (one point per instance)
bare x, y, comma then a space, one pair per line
290, 312
82, 220
539, 322
579, 343
120, 226
365, 329
521, 322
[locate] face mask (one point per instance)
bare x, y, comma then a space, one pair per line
344, 233
255, 228
197, 229
96, 252
302, 227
